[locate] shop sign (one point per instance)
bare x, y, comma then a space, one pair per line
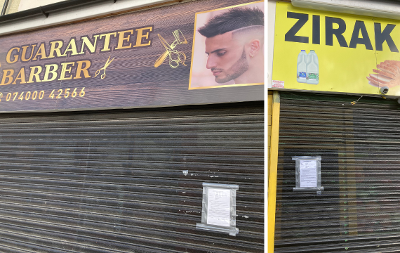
151, 58
334, 52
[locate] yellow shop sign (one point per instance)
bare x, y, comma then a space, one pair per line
332, 52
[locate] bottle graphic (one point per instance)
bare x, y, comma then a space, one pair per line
302, 67
312, 68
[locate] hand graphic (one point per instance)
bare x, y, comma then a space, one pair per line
388, 74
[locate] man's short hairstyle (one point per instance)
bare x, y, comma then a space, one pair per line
233, 19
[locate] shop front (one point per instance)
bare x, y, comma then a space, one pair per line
116, 136
337, 160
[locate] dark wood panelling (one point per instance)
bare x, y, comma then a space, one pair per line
131, 79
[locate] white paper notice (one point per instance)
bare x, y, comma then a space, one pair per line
219, 207
308, 173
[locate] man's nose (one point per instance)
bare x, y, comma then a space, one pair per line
211, 63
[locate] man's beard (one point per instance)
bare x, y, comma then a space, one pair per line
237, 69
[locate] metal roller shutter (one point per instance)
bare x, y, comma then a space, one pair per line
359, 144
114, 181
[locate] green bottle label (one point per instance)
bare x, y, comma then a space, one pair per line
313, 76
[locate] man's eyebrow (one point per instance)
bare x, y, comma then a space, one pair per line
220, 49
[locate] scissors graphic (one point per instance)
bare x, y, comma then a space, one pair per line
108, 62
175, 57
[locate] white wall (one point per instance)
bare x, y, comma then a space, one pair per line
373, 8
12, 6
29, 4
74, 14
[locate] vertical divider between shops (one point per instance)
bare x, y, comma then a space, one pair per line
272, 169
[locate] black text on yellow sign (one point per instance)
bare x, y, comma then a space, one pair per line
335, 28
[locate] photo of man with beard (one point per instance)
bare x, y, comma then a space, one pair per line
233, 46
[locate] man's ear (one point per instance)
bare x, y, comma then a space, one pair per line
254, 47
